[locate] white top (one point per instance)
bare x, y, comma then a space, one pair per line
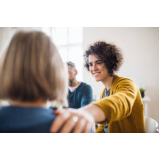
72, 89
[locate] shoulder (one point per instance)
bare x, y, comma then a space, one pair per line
122, 80
4, 110
24, 111
32, 115
123, 83
84, 86
24, 119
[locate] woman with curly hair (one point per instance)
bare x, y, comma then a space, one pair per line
120, 108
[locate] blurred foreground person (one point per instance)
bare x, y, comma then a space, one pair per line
31, 73
120, 108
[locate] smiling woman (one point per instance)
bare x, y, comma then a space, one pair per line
120, 108
119, 95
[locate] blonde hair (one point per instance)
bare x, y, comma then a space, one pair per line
31, 69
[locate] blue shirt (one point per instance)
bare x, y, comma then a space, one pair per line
14, 119
82, 96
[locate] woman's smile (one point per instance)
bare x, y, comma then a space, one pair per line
96, 74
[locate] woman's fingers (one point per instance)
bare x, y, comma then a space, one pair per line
69, 125
59, 121
72, 121
80, 126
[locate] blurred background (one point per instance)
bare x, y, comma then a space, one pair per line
139, 45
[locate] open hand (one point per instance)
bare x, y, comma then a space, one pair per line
72, 120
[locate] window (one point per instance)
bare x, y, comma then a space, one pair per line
69, 43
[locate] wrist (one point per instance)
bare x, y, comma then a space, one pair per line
95, 111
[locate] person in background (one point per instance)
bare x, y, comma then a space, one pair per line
120, 108
79, 93
28, 79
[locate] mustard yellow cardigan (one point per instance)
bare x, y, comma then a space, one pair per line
123, 108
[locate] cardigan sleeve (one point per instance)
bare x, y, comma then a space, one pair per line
100, 128
119, 105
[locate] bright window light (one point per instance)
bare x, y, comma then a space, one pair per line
63, 53
75, 55
47, 31
75, 35
69, 43
60, 36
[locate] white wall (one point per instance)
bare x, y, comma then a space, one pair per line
140, 47
6, 34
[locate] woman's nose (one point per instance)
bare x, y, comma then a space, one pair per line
93, 68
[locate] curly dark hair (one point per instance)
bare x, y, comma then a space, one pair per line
109, 54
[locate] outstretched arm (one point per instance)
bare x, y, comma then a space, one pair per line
108, 109
119, 105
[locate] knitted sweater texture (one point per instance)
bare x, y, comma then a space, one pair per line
123, 109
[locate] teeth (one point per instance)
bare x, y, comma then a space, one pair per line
96, 74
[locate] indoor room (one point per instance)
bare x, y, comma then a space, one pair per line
139, 47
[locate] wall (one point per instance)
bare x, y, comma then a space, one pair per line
6, 34
140, 47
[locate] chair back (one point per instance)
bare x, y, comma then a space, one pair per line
150, 125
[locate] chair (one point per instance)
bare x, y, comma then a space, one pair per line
150, 125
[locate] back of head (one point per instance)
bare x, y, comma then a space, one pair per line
32, 69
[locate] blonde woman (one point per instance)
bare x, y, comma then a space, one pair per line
31, 73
